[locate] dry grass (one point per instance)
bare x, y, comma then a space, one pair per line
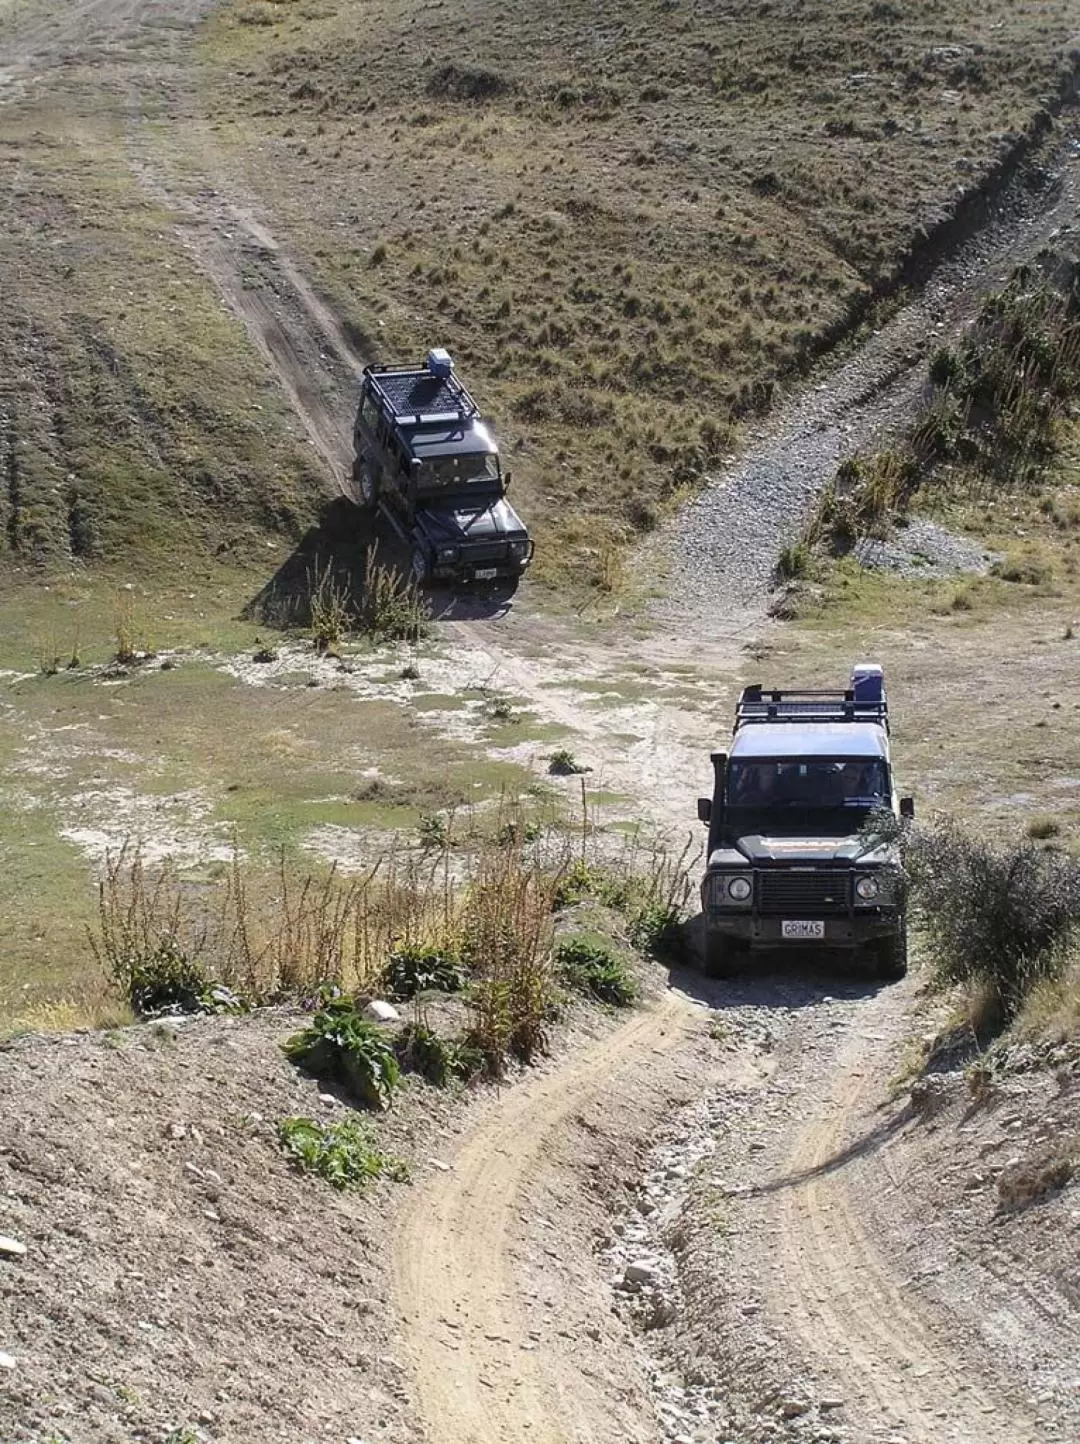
629, 228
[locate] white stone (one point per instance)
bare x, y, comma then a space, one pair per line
12, 1247
381, 1012
641, 1271
7, 1361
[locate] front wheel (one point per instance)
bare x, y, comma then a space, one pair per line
722, 955
367, 490
888, 958
421, 569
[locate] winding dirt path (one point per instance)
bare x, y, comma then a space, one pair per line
465, 1321
478, 1377
838, 1289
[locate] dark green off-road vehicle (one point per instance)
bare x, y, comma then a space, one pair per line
425, 458
791, 862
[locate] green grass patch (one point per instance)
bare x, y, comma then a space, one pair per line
344, 1154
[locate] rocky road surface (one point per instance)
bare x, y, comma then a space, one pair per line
767, 1284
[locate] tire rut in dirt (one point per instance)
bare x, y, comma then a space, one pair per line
457, 1291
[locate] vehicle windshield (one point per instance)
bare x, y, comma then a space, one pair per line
472, 471
826, 782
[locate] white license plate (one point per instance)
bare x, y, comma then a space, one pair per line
486, 574
802, 930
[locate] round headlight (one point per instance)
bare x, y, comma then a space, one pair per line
867, 888
447, 554
739, 889
519, 548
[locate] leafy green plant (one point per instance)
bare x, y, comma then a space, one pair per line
592, 968
657, 929
421, 969
342, 1045
439, 1060
343, 1153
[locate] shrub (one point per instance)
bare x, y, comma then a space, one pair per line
656, 928
1039, 829
166, 980
505, 931
421, 969
330, 606
342, 1045
563, 763
793, 562
439, 1060
594, 969
391, 606
998, 916
344, 1153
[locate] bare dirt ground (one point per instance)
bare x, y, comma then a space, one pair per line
818, 1282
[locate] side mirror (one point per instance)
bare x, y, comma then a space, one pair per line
704, 809
907, 807
506, 478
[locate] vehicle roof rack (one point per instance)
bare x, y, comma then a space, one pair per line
425, 395
793, 705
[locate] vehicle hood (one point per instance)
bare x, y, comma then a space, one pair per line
762, 851
460, 521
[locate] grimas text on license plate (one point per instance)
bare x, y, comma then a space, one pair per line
802, 930
486, 574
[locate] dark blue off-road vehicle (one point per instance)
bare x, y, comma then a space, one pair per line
425, 457
791, 861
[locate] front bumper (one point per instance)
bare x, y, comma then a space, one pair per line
853, 929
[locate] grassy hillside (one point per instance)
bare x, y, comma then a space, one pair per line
628, 225
136, 421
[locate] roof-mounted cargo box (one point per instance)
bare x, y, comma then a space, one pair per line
863, 701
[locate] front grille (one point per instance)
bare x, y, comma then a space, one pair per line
485, 552
798, 893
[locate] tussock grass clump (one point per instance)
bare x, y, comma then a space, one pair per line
344, 1154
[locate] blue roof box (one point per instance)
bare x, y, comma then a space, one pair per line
868, 682
439, 362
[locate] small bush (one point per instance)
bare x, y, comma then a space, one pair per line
344, 1153
1039, 829
439, 1060
330, 606
166, 980
657, 929
421, 969
391, 606
434, 830
793, 562
342, 1045
594, 969
1001, 917
563, 763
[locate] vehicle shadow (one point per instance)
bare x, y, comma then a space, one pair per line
339, 548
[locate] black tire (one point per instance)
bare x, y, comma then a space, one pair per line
421, 568
888, 958
722, 955
366, 484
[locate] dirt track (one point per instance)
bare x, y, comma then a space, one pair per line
832, 1291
